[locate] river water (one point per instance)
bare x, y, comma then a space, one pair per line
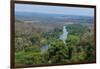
44, 48
62, 37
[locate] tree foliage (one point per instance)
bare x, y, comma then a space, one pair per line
79, 46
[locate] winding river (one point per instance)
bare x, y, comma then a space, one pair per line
62, 37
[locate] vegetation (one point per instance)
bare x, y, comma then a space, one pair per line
30, 38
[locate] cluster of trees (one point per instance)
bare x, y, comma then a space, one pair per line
79, 46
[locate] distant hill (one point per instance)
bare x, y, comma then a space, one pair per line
52, 18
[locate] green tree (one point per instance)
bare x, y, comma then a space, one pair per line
57, 53
76, 52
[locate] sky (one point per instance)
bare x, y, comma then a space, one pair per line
54, 9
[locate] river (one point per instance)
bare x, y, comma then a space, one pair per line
62, 37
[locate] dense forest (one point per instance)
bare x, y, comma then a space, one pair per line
37, 39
